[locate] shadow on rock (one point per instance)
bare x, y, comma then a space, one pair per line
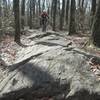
35, 83
84, 95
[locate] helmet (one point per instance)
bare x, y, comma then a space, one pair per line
44, 10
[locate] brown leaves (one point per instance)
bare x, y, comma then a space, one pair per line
95, 66
7, 51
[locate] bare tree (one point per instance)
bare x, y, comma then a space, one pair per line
33, 7
67, 10
52, 10
30, 21
28, 12
96, 27
0, 15
22, 13
93, 10
39, 1
62, 15
82, 4
5, 8
48, 6
43, 5
72, 29
54, 13
58, 7
9, 4
17, 20
79, 3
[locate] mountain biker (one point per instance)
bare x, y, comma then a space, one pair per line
43, 20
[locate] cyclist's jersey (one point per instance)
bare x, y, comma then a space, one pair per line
44, 15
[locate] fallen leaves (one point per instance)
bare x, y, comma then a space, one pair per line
95, 66
7, 49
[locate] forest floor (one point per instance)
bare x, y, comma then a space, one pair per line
9, 50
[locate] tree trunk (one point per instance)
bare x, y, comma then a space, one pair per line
54, 13
79, 3
0, 15
58, 7
9, 4
48, 6
93, 10
30, 22
72, 29
96, 27
43, 5
22, 14
82, 4
28, 13
33, 9
5, 8
17, 20
62, 15
67, 10
39, 1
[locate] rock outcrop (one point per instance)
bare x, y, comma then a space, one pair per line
50, 66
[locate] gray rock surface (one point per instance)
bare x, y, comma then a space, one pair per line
49, 66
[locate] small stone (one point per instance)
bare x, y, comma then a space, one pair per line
97, 72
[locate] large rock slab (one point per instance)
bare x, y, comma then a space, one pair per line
50, 70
